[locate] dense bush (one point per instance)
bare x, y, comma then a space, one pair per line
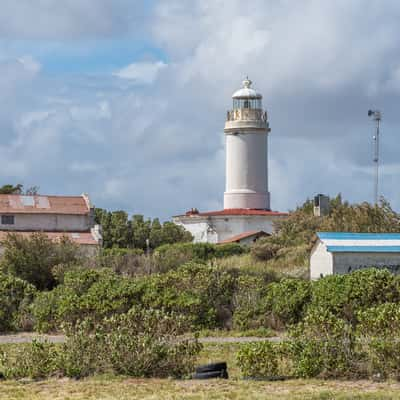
173, 255
84, 293
322, 345
378, 331
15, 297
286, 301
258, 359
345, 295
248, 303
36, 360
140, 343
33, 258
203, 294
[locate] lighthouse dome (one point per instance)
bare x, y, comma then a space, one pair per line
246, 92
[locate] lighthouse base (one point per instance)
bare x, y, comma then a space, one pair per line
247, 199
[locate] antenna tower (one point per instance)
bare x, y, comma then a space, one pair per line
377, 117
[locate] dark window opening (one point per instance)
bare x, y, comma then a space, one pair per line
7, 220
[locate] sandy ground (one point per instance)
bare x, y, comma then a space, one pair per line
27, 337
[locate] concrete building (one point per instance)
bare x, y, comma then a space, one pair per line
341, 252
246, 197
55, 216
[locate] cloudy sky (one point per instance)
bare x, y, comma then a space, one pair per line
126, 99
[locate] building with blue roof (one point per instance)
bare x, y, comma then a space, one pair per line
344, 252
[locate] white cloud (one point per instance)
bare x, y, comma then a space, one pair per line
150, 138
142, 72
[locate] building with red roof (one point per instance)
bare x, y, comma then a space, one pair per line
54, 216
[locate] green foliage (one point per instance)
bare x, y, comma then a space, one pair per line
11, 189
322, 345
15, 297
258, 360
120, 252
84, 293
121, 232
287, 300
248, 303
170, 256
345, 295
33, 258
378, 331
204, 295
140, 343
36, 360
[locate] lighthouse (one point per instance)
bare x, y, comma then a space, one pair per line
246, 215
246, 137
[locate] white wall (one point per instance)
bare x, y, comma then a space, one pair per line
49, 222
321, 261
218, 228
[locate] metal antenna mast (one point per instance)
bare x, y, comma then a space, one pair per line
377, 116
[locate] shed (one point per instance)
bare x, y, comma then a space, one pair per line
344, 252
245, 238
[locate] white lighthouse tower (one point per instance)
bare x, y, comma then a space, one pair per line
246, 133
246, 215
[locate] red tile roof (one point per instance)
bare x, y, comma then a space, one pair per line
243, 235
18, 204
78, 237
236, 211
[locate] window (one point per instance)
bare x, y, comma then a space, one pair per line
7, 220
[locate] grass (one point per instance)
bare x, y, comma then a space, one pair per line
108, 388
122, 388
294, 263
221, 333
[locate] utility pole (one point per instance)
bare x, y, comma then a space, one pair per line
377, 117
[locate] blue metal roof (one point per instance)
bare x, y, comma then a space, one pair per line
358, 236
363, 249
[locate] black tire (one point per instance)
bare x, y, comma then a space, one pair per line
211, 367
211, 375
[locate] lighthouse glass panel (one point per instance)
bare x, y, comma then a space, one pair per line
247, 103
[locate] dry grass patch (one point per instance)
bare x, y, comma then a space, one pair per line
107, 388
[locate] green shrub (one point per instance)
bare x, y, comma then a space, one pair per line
171, 256
201, 293
258, 359
345, 295
35, 360
15, 297
323, 345
33, 258
140, 343
116, 251
248, 303
84, 293
286, 301
378, 333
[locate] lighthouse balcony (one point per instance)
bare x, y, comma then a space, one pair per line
246, 114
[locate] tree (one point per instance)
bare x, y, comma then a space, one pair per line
120, 227
141, 231
156, 233
11, 189
33, 258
